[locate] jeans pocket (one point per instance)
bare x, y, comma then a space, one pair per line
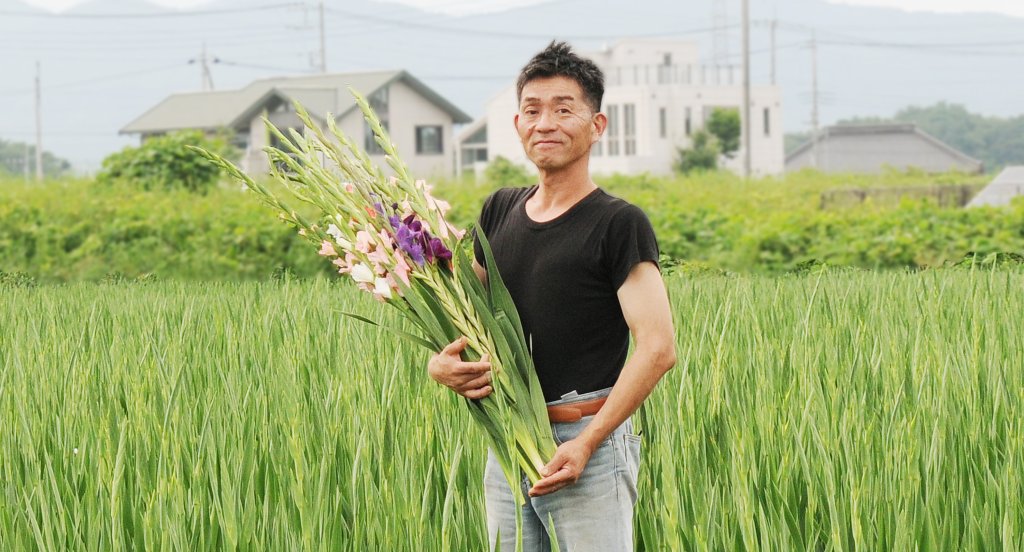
632, 455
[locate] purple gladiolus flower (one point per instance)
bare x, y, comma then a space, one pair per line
408, 241
438, 250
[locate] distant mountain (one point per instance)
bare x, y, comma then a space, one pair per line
100, 73
91, 7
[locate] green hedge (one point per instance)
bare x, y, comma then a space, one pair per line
69, 231
74, 230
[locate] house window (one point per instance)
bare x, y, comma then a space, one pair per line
428, 140
689, 121
663, 122
629, 128
379, 102
767, 122
613, 130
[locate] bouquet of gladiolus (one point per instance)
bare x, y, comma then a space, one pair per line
390, 236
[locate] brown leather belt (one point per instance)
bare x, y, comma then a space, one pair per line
574, 412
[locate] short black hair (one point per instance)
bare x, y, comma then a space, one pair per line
558, 60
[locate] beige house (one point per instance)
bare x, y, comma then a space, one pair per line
419, 120
657, 94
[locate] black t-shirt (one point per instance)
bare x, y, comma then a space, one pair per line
563, 276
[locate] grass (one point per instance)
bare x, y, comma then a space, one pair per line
843, 410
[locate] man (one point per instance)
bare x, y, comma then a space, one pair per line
582, 269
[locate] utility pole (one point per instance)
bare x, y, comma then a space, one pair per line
814, 98
774, 24
745, 128
206, 78
323, 41
39, 127
720, 36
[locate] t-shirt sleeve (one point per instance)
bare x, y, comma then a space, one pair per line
630, 241
485, 224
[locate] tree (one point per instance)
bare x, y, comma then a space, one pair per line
163, 162
701, 155
724, 124
13, 156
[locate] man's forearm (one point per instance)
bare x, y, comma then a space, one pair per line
639, 376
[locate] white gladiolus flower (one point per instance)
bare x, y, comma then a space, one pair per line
335, 232
382, 288
362, 273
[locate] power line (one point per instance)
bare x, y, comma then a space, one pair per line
106, 78
161, 15
502, 34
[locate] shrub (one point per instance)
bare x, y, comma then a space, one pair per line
164, 163
501, 173
701, 156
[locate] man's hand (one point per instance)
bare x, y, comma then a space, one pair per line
565, 467
469, 379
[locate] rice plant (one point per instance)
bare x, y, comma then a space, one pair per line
834, 411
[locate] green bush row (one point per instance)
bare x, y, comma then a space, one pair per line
77, 230
70, 231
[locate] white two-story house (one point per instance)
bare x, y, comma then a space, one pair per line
657, 95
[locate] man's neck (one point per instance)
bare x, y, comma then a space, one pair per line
558, 192
562, 189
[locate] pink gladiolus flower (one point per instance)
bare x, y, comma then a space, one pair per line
380, 258
349, 187
327, 250
401, 268
343, 266
385, 239
363, 241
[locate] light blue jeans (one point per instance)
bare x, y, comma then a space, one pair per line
594, 514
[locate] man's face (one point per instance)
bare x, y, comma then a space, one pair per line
555, 123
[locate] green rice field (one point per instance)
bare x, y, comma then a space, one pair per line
840, 410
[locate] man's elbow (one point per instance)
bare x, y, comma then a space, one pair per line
665, 357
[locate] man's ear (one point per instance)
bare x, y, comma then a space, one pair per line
600, 123
515, 121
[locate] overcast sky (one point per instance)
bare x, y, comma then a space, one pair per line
1008, 7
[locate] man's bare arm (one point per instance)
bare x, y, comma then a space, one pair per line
481, 272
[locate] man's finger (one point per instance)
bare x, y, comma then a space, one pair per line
477, 383
478, 393
471, 368
556, 463
455, 347
552, 483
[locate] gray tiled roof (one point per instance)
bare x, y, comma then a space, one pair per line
1008, 185
319, 94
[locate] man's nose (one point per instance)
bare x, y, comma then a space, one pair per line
545, 121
